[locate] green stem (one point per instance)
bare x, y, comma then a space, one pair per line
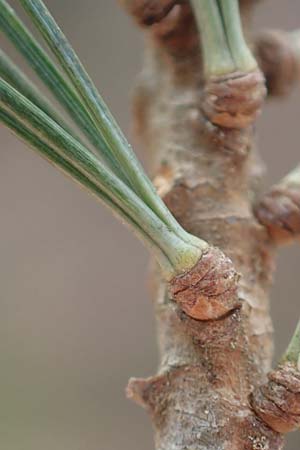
181, 255
292, 353
40, 62
239, 49
217, 57
50, 154
103, 120
224, 46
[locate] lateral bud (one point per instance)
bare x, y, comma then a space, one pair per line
234, 100
279, 212
149, 12
146, 392
278, 58
277, 402
209, 290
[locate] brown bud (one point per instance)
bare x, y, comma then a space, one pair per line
234, 100
148, 12
171, 23
279, 211
146, 391
278, 60
208, 290
277, 403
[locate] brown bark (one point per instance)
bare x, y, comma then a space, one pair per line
208, 173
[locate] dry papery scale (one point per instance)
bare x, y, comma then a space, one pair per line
196, 103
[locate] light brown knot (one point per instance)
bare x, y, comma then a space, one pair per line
277, 402
170, 22
209, 290
234, 100
278, 60
149, 12
279, 211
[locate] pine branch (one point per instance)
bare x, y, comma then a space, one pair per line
209, 370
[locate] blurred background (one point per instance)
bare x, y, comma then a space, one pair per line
75, 315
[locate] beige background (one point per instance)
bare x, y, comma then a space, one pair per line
75, 316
